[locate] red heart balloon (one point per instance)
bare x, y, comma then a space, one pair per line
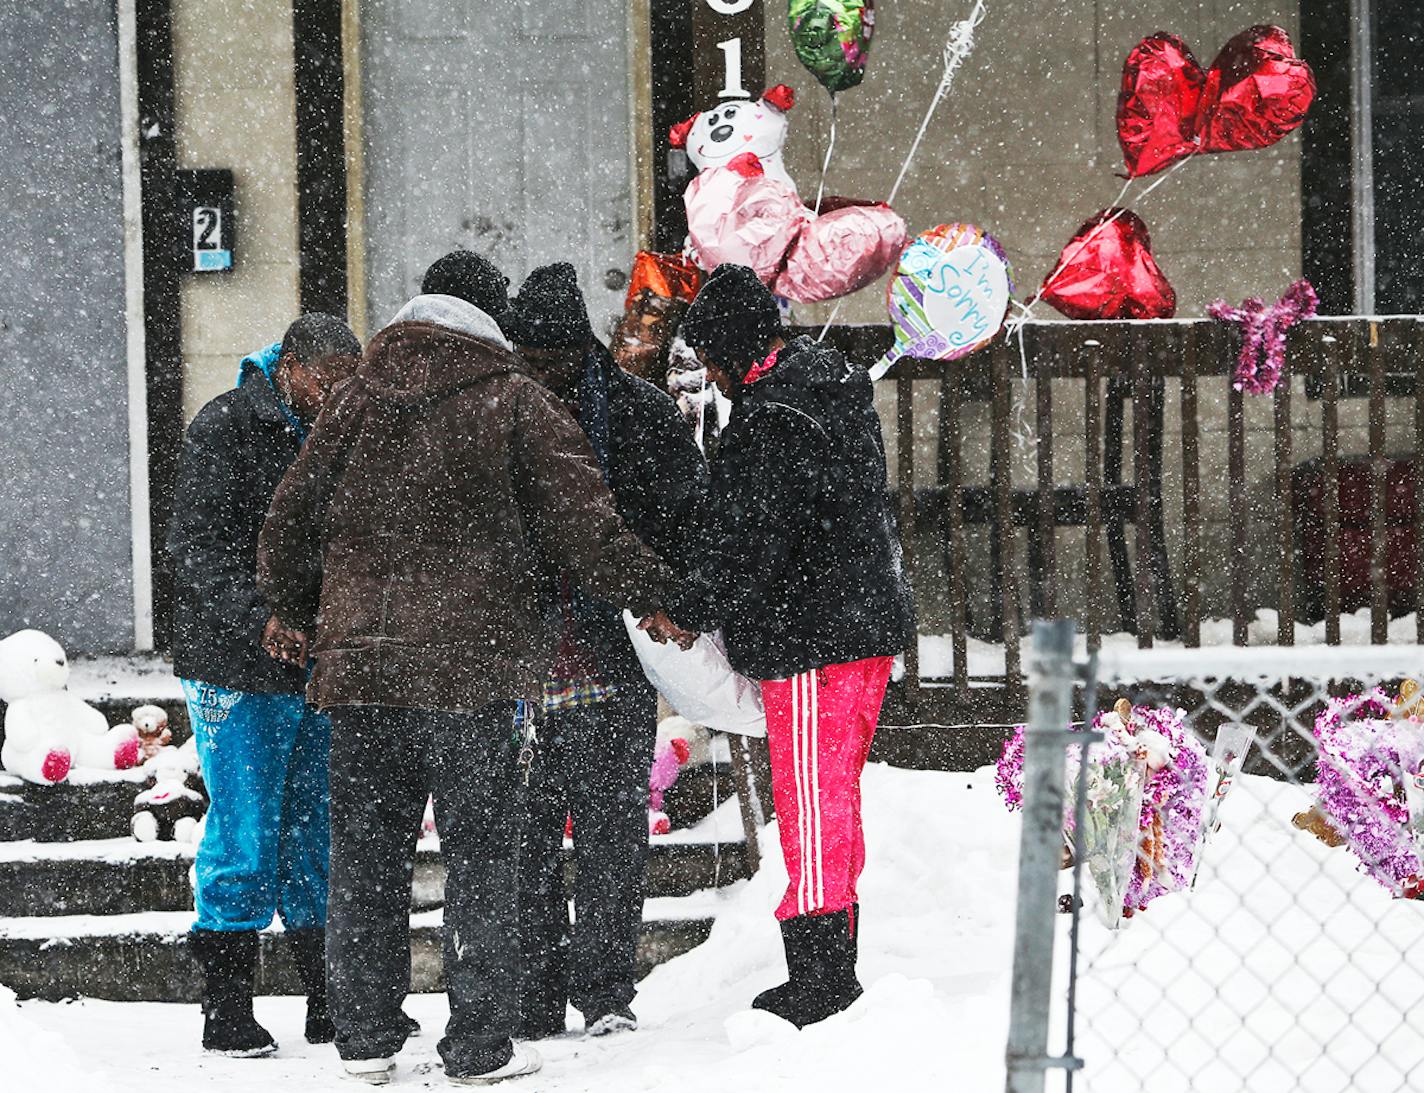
1107, 272
1256, 91
1157, 106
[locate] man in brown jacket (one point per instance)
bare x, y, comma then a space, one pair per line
418, 533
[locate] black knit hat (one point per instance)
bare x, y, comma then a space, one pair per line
734, 318
549, 312
470, 277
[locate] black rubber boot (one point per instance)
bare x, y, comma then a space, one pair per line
821, 953
309, 955
229, 963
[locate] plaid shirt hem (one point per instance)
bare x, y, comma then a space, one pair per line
572, 694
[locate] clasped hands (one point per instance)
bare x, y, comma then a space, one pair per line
283, 643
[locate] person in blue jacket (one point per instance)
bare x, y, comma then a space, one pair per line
263, 751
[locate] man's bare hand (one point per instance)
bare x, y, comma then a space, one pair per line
283, 643
662, 630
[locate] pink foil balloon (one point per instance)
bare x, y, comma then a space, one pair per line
841, 251
738, 214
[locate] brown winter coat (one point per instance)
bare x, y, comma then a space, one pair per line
437, 494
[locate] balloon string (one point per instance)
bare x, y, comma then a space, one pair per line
701, 433
957, 47
826, 163
1122, 209
1015, 326
831, 321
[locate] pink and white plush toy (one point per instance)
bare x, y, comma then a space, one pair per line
743, 207
669, 757
49, 731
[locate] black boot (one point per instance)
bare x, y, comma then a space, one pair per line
821, 953
229, 963
309, 955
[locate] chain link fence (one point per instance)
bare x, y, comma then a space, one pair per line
1220, 871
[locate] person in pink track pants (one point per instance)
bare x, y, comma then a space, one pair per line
803, 573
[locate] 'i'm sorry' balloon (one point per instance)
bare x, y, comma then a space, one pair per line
949, 296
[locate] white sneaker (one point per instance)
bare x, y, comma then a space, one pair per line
370, 1071
525, 1060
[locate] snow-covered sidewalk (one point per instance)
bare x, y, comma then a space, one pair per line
937, 912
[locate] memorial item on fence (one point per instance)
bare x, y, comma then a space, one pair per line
832, 39
1107, 272
743, 207
659, 291
700, 683
949, 296
1146, 788
1370, 785
1262, 359
1255, 92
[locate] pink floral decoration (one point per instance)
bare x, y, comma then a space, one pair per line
1359, 768
1263, 334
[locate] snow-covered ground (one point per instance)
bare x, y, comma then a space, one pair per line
937, 898
1283, 970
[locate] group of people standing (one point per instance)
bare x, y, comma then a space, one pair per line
401, 573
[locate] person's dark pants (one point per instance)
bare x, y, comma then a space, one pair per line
592, 764
384, 763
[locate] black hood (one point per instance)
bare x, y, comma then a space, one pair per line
805, 368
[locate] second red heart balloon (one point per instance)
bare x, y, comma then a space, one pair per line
1255, 92
1107, 272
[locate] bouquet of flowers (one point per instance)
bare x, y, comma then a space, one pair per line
1370, 786
1146, 787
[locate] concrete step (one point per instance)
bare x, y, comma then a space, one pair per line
120, 876
99, 805
144, 957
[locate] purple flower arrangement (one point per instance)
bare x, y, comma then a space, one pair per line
1366, 752
1156, 742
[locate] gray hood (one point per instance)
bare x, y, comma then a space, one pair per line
454, 314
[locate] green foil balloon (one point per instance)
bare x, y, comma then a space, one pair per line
832, 39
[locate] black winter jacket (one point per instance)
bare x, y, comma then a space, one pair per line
804, 566
659, 482
235, 452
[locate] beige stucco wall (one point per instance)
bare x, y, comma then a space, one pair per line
1025, 144
235, 107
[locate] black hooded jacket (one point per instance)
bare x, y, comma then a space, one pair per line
235, 453
804, 566
658, 479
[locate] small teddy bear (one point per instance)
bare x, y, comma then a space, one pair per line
154, 735
49, 731
170, 808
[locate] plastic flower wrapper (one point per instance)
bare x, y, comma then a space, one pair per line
1108, 842
1228, 755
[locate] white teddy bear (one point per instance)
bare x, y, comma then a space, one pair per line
48, 731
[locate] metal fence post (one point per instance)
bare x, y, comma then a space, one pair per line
1050, 678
